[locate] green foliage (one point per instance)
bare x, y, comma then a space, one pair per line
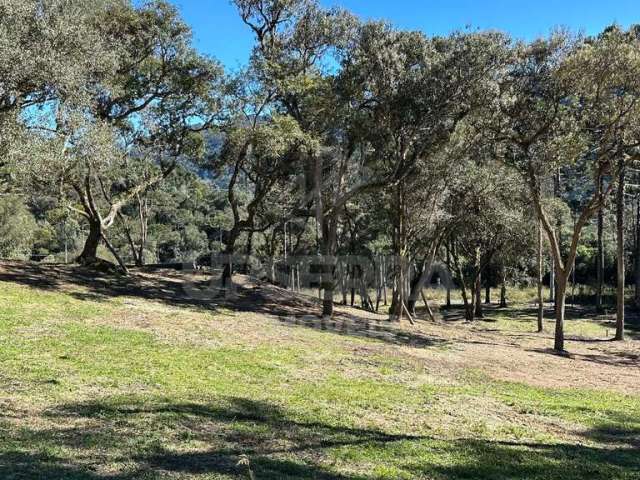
102, 106
18, 228
144, 97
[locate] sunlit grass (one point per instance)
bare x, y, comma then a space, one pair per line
83, 399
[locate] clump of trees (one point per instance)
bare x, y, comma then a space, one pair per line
501, 159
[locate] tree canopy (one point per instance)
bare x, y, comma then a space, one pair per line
341, 138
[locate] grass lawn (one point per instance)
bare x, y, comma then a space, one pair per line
96, 386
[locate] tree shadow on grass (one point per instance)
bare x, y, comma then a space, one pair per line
26, 466
363, 327
167, 287
494, 460
615, 434
157, 437
193, 290
527, 314
247, 424
150, 436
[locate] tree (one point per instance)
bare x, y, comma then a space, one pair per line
47, 50
487, 217
174, 221
134, 123
17, 228
543, 129
294, 42
608, 90
262, 154
413, 93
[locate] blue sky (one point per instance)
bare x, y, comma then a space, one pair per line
219, 32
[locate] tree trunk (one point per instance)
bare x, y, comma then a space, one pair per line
503, 290
398, 296
600, 255
478, 313
89, 253
344, 272
426, 305
352, 292
143, 212
620, 252
115, 254
229, 250
448, 286
329, 244
557, 194
378, 275
384, 280
399, 299
249, 250
487, 293
540, 275
421, 276
477, 286
552, 282
367, 304
414, 291
132, 245
636, 270
561, 297
393, 307
468, 305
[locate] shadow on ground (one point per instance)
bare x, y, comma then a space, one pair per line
138, 438
528, 314
168, 288
194, 290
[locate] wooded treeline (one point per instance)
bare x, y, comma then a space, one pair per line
508, 161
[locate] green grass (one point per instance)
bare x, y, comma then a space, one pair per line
85, 397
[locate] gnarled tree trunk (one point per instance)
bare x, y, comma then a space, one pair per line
89, 254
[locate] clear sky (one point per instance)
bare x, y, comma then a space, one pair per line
219, 32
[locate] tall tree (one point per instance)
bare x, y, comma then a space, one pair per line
608, 88
144, 115
548, 109
261, 156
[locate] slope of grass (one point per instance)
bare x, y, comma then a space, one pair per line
87, 395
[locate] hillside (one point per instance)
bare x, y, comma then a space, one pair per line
111, 378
